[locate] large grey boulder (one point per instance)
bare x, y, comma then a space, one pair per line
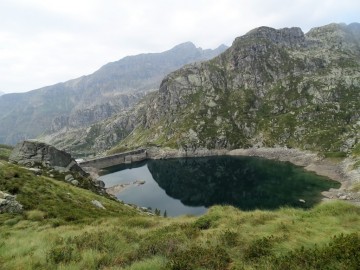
8, 204
32, 152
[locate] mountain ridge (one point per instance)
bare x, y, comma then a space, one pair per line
82, 101
270, 88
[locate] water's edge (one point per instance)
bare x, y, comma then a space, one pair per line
338, 171
335, 170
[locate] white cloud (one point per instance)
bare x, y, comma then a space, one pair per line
45, 42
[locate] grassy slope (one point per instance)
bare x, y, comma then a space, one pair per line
5, 151
61, 229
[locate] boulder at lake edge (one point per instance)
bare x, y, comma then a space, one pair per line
35, 153
32, 152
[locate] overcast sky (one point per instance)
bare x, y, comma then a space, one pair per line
43, 42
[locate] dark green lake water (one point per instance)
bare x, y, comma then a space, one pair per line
191, 185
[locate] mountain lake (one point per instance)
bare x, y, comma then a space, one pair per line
191, 185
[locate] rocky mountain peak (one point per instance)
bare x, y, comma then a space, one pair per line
337, 35
285, 36
184, 46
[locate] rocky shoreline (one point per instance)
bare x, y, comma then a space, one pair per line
340, 171
114, 190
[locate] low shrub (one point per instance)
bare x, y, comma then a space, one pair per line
160, 243
100, 241
198, 257
259, 248
334, 154
12, 221
190, 232
35, 215
60, 254
343, 252
229, 238
203, 223
141, 222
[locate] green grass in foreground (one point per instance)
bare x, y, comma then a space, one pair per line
5, 151
61, 229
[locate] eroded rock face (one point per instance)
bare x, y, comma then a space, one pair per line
31, 152
34, 153
8, 204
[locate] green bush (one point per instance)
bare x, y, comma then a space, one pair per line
229, 238
198, 257
141, 222
60, 254
35, 215
160, 243
343, 252
100, 241
12, 221
203, 223
356, 150
334, 154
259, 248
190, 232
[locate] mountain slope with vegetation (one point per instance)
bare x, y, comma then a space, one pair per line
80, 102
270, 88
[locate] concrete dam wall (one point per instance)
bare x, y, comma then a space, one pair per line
116, 159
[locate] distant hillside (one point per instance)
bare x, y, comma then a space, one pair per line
1, 93
88, 99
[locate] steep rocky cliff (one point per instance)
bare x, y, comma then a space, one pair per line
271, 88
80, 102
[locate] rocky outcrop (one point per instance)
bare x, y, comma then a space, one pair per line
31, 152
8, 204
40, 155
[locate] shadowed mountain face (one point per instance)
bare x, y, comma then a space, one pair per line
115, 87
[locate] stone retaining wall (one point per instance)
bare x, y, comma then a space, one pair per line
108, 161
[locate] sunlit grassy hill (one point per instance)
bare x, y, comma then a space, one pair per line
5, 151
